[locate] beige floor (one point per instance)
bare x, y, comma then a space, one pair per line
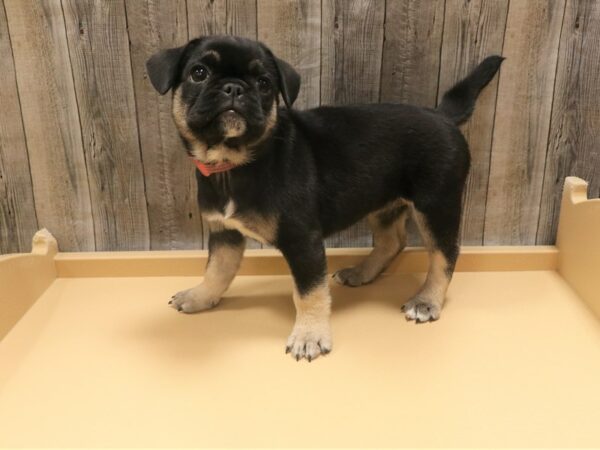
514, 361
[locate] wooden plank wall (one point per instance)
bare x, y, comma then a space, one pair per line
88, 148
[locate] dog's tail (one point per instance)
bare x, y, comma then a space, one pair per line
458, 103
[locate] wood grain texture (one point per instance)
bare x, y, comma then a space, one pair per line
522, 121
411, 51
292, 30
18, 221
51, 121
99, 50
411, 59
473, 30
241, 18
536, 123
352, 42
574, 142
173, 213
206, 17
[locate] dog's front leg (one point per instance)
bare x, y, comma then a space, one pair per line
311, 335
225, 251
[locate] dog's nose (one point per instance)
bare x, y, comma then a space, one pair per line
233, 89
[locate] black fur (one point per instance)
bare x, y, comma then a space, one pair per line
163, 68
321, 170
458, 103
389, 216
227, 238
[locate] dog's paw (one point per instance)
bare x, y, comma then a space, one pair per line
350, 276
309, 341
193, 300
421, 310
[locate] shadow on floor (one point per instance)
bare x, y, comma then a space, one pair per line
254, 310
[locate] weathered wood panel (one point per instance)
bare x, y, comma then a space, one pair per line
411, 52
242, 18
206, 17
411, 59
18, 222
352, 44
173, 213
473, 30
522, 121
51, 121
99, 50
574, 142
236, 17
292, 30
352, 40
523, 142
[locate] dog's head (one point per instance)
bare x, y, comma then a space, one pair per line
225, 94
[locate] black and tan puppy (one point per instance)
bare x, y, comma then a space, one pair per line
290, 178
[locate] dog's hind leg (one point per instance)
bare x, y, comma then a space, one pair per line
439, 226
389, 233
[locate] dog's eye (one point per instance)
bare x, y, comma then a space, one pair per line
198, 74
264, 84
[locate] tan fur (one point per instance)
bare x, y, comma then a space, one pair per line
437, 280
256, 226
271, 121
314, 305
311, 334
220, 152
212, 53
269, 124
222, 266
255, 63
389, 241
387, 246
233, 124
179, 110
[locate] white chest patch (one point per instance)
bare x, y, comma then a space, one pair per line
229, 209
236, 223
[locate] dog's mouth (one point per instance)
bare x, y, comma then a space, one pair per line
232, 123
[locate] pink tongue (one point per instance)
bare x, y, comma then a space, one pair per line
208, 169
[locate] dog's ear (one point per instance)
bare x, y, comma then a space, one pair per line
289, 79
162, 68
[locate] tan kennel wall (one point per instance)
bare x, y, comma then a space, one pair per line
88, 150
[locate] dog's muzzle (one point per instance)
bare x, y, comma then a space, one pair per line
232, 123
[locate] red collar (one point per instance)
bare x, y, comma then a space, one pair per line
209, 169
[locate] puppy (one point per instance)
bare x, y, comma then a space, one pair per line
290, 178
